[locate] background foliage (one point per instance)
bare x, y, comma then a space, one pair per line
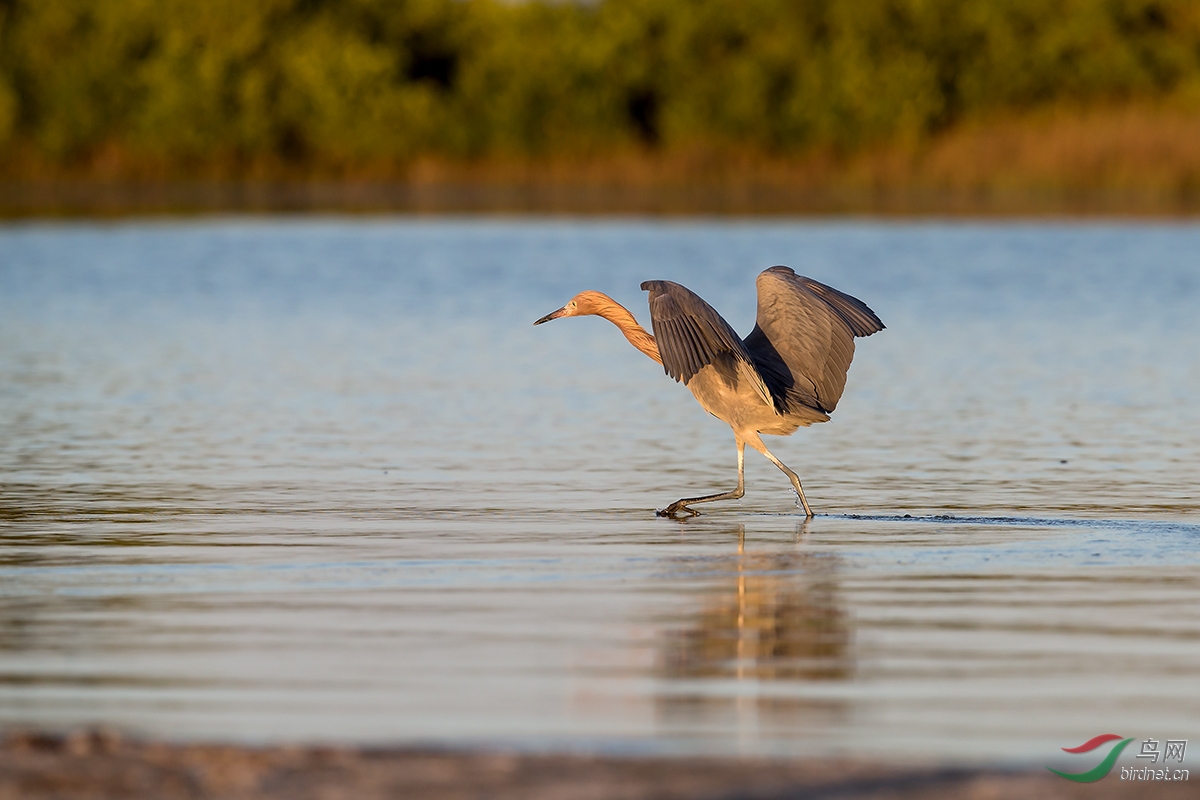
197, 86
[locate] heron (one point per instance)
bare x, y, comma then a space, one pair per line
788, 373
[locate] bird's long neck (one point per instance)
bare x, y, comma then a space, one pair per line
618, 315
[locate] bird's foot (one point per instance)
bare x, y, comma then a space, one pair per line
676, 508
802, 503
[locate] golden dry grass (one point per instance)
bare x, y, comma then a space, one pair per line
1111, 148
1133, 159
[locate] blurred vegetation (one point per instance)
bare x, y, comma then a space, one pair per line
261, 87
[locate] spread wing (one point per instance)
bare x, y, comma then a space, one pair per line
803, 341
692, 335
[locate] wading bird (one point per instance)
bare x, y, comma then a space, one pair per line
790, 371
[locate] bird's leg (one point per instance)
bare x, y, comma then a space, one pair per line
682, 505
795, 479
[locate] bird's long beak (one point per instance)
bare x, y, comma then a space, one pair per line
552, 315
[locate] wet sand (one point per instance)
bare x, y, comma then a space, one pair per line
100, 763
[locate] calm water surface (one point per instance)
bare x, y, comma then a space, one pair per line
321, 479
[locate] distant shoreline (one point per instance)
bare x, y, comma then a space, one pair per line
1131, 161
92, 198
880, 107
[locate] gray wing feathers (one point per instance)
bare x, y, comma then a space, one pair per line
692, 335
689, 332
803, 341
854, 312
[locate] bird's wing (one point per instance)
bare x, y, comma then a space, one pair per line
803, 341
692, 335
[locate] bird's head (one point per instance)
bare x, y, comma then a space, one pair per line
581, 305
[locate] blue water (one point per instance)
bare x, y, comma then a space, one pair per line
321, 479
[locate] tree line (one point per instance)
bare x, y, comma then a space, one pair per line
198, 85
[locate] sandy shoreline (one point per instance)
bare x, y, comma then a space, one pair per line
99, 764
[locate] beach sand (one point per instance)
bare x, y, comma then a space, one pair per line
100, 763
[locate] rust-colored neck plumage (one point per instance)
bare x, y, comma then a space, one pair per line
602, 305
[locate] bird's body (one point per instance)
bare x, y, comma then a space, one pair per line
788, 373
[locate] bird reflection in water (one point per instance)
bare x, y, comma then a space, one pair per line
773, 621
776, 616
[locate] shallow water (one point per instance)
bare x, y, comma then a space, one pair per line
320, 479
